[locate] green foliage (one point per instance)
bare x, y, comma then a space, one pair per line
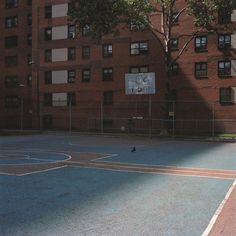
103, 16
204, 12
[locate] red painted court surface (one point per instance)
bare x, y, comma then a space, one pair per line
165, 187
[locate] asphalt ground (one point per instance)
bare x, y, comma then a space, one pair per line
90, 185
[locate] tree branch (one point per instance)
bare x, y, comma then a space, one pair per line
186, 45
178, 15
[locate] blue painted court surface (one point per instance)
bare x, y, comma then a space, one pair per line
183, 154
76, 201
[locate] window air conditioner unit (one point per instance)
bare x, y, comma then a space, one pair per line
71, 34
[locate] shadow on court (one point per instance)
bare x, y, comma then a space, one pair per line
88, 201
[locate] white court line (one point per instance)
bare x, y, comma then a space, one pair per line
41, 171
155, 173
63, 152
218, 211
137, 164
43, 161
9, 155
40, 150
101, 158
5, 173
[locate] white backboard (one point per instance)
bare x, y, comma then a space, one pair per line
140, 83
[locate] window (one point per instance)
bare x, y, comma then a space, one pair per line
47, 99
11, 41
174, 19
138, 69
226, 96
200, 43
107, 50
48, 77
71, 54
174, 43
85, 30
11, 3
48, 55
175, 69
29, 19
107, 74
12, 102
11, 81
224, 41
11, 22
224, 68
29, 59
224, 16
48, 12
200, 69
48, 33
11, 61
71, 31
71, 99
108, 97
138, 48
29, 39
29, 80
86, 52
136, 26
86, 75
71, 76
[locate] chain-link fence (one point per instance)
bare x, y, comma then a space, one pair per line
146, 117
140, 117
18, 115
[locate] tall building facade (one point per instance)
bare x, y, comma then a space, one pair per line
15, 58
64, 79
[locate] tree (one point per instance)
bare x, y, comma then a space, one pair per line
104, 17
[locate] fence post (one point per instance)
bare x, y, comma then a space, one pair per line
101, 118
21, 113
213, 119
40, 116
70, 114
173, 120
150, 116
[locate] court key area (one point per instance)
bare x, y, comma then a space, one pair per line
55, 184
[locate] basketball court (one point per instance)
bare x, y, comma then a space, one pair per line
58, 184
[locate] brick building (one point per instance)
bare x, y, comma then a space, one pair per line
15, 57
80, 83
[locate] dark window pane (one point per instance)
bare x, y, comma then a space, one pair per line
11, 22
107, 50
48, 77
11, 41
86, 52
71, 54
11, 3
48, 12
108, 98
11, 81
107, 74
86, 76
11, 61
71, 76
